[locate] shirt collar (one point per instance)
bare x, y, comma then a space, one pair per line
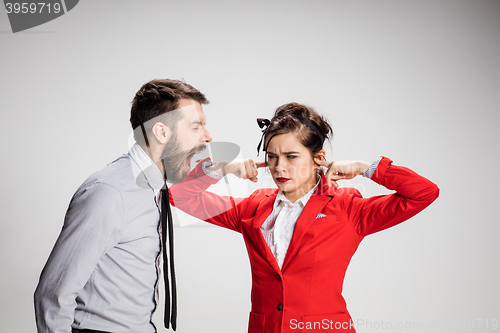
302, 200
147, 166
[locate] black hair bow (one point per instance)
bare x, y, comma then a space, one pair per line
264, 124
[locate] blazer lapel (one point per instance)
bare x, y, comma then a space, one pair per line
315, 205
263, 211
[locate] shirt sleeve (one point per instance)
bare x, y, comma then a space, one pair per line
91, 228
212, 174
371, 169
413, 194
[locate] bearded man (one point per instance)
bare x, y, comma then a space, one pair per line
102, 274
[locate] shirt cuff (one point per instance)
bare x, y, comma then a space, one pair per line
371, 169
212, 174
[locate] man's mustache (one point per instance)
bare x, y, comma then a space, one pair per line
172, 151
198, 149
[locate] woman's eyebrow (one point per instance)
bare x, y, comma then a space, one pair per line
284, 153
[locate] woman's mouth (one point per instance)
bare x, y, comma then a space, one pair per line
282, 179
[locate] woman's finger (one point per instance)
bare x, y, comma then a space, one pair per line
331, 168
323, 162
251, 168
260, 164
339, 177
242, 170
328, 181
253, 179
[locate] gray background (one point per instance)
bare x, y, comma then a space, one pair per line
417, 81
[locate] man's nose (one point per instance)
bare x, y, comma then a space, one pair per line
206, 136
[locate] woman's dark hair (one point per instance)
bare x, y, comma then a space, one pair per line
311, 132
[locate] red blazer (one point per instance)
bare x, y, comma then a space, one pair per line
306, 294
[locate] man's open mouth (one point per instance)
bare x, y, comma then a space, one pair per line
188, 160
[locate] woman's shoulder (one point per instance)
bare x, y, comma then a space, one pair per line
344, 196
264, 192
345, 192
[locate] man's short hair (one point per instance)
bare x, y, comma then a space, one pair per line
158, 97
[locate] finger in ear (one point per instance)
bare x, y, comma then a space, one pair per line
320, 161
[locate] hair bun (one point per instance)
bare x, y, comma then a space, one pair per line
294, 108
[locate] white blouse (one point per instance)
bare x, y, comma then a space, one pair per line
280, 224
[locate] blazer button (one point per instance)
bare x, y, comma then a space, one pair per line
279, 277
280, 307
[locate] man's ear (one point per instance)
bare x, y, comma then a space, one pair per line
161, 132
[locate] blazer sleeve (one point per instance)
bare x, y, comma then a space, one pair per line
413, 194
191, 196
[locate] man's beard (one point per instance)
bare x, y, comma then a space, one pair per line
176, 161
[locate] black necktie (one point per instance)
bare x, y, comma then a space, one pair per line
166, 221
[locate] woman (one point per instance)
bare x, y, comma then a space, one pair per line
301, 236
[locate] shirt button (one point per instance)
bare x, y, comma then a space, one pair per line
281, 237
280, 307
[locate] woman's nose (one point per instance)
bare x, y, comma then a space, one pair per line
280, 167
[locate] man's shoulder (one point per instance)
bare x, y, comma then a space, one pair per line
118, 174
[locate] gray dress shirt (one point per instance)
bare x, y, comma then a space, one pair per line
103, 270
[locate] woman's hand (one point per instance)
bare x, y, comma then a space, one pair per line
245, 169
338, 170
